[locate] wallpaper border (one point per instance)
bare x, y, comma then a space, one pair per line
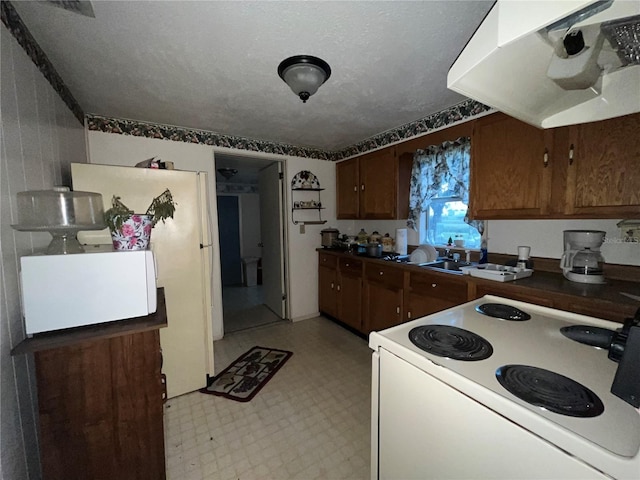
457, 113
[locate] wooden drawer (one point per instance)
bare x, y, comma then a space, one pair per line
328, 260
351, 266
426, 283
387, 275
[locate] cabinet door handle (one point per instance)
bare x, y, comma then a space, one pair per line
381, 273
331, 285
338, 287
346, 264
408, 314
355, 188
362, 187
545, 158
398, 310
571, 154
434, 285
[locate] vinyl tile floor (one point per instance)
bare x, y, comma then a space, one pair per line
310, 421
243, 308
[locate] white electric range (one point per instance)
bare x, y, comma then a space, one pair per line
438, 417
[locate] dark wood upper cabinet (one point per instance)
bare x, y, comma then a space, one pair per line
588, 170
508, 174
374, 186
603, 177
348, 188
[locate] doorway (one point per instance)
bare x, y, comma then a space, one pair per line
229, 227
251, 209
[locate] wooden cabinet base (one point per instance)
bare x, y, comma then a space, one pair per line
100, 405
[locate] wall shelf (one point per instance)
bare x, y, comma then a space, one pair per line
304, 186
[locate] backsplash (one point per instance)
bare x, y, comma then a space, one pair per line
543, 236
352, 227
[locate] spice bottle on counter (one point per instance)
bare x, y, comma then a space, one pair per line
363, 237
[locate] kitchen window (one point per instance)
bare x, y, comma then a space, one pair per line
439, 195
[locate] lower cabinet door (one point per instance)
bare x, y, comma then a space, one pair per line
350, 301
383, 307
100, 409
327, 291
422, 305
430, 293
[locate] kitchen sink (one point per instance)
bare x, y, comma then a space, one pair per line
448, 266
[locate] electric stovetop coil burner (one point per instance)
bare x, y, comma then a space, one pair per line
589, 335
549, 390
503, 312
451, 342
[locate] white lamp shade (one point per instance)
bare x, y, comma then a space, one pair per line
304, 74
304, 77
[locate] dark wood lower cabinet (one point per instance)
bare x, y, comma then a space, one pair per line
100, 405
384, 287
430, 292
350, 300
327, 290
369, 295
100, 399
383, 308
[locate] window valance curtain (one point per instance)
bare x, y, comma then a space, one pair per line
435, 166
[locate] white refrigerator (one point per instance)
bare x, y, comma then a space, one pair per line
182, 249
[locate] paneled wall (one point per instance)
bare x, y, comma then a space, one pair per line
39, 137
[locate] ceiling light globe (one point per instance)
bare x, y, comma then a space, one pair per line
304, 74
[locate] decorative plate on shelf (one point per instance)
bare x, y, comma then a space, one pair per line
305, 179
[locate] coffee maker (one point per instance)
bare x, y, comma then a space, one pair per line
581, 261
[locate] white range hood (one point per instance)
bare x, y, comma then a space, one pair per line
509, 61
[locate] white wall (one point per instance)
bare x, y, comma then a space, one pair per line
545, 238
39, 138
303, 259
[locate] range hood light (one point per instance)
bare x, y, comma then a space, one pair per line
525, 61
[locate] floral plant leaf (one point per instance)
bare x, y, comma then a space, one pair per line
162, 207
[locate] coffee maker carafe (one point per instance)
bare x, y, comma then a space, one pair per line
581, 261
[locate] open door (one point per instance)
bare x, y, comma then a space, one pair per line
272, 233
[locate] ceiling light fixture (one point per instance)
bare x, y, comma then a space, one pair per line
227, 172
304, 74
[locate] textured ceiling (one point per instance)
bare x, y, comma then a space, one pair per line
213, 65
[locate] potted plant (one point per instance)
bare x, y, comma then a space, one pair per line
131, 231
